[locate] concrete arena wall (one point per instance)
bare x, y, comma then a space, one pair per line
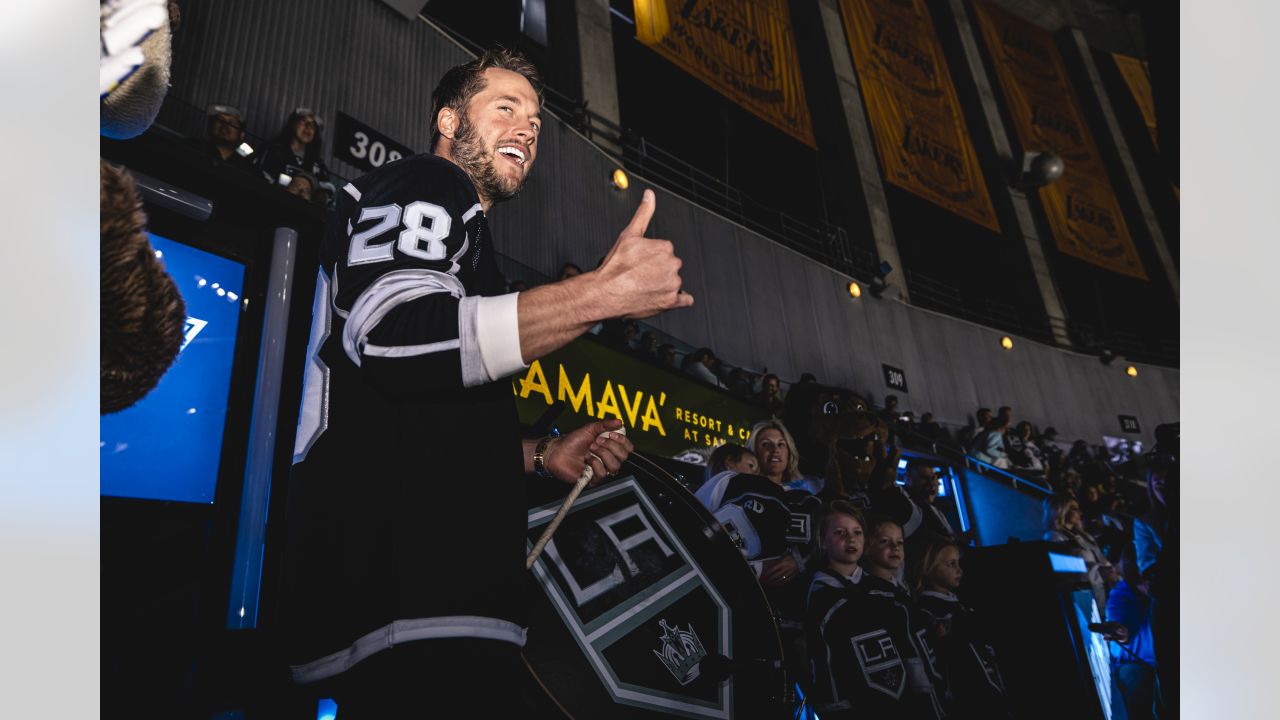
757, 303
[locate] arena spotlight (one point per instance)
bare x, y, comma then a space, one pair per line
1040, 169
1131, 371
855, 290
1006, 342
620, 179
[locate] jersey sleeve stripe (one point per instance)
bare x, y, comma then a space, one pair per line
371, 350
915, 519
470, 213
313, 416
384, 295
913, 523
352, 191
711, 494
498, 334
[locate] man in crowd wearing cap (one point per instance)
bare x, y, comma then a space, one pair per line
224, 138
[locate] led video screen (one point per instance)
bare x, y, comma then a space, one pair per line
168, 445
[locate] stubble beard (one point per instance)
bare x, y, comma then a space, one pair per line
471, 155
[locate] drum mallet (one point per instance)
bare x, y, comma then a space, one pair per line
583, 479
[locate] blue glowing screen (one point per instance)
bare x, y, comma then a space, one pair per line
1067, 563
1095, 646
167, 446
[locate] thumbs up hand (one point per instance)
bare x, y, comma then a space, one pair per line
642, 275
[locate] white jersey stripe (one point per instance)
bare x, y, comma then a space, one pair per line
411, 350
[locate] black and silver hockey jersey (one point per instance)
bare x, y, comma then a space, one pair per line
922, 522
869, 653
764, 519
406, 510
967, 661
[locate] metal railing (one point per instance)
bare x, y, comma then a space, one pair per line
1016, 481
929, 292
827, 243
952, 451
1134, 347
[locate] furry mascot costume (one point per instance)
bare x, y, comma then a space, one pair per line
840, 440
142, 313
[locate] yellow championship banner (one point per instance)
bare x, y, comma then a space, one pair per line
911, 103
1138, 78
1082, 209
745, 50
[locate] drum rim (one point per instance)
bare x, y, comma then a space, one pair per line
773, 639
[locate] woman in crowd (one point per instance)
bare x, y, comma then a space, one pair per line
972, 685
775, 531
1063, 523
298, 148
775, 448
865, 646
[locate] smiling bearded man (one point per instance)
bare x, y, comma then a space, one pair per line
404, 569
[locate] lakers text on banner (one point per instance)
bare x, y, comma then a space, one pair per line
745, 50
912, 105
1138, 78
665, 414
1081, 207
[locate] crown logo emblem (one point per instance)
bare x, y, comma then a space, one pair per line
681, 651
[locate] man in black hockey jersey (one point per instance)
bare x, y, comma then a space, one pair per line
404, 568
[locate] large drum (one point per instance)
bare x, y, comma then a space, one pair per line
644, 608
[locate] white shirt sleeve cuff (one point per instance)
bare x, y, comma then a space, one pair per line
498, 335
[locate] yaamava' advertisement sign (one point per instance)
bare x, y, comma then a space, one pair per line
665, 413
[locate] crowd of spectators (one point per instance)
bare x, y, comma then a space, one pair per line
879, 570
888, 563
1124, 541
292, 160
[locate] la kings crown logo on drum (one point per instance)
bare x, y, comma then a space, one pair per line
681, 651
617, 574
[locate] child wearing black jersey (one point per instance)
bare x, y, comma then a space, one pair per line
972, 685
869, 657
